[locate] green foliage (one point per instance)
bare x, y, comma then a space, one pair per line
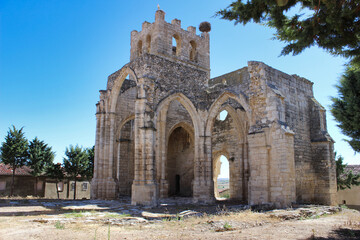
75, 214
89, 172
55, 171
227, 226
346, 107
40, 157
59, 225
76, 163
14, 151
332, 24
345, 179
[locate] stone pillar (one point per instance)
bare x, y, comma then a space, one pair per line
203, 181
95, 180
162, 154
272, 166
325, 169
144, 188
258, 192
101, 160
110, 181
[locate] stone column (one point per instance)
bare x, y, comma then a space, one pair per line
272, 166
203, 189
144, 188
258, 192
110, 181
162, 154
95, 180
101, 162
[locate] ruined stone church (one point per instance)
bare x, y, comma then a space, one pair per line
158, 131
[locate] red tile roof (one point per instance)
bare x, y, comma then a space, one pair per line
22, 171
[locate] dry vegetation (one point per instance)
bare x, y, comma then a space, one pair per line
38, 219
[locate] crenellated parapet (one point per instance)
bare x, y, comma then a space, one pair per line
169, 40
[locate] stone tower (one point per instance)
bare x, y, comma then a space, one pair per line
158, 133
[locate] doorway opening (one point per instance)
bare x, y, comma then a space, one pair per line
221, 178
180, 163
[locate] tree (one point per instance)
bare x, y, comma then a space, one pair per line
345, 178
14, 151
75, 163
40, 158
89, 172
55, 171
333, 25
346, 107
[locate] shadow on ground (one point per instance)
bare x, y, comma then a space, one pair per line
340, 234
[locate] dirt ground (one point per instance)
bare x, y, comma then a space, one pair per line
90, 219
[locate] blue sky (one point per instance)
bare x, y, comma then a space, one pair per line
56, 55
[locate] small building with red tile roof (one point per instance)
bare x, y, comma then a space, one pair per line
25, 185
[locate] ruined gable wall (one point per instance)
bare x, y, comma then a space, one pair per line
297, 92
236, 82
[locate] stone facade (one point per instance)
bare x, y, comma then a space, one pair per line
158, 133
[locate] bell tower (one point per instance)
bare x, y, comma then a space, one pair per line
170, 41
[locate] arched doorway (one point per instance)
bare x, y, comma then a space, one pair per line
221, 178
180, 163
229, 145
124, 139
125, 158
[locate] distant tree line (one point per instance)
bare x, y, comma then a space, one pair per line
16, 151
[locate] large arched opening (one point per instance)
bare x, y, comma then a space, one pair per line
177, 131
123, 99
221, 177
125, 158
228, 127
180, 163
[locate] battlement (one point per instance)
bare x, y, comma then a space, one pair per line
169, 40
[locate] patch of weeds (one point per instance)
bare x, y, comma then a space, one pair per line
74, 214
227, 226
312, 234
344, 206
117, 215
95, 234
59, 225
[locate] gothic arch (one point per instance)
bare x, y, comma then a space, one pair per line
184, 125
216, 106
115, 89
188, 105
123, 122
